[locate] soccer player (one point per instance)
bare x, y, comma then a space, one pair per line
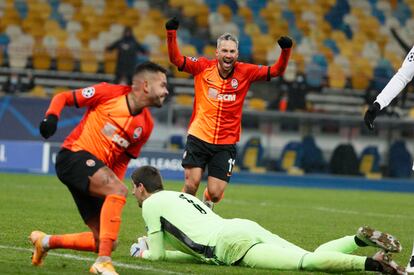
220, 88
197, 233
397, 83
95, 155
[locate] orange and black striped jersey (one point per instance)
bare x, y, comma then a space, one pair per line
218, 102
107, 130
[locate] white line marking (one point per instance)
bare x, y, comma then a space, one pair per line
89, 259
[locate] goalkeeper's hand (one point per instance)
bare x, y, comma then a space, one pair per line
139, 247
371, 114
285, 42
48, 126
172, 24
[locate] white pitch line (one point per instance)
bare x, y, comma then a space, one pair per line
89, 259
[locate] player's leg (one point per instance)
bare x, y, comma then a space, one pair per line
220, 168
73, 170
104, 183
330, 261
194, 160
365, 236
272, 256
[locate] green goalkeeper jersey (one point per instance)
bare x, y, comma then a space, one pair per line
191, 227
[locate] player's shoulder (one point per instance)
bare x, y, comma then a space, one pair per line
114, 87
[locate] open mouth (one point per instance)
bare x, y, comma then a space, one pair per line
228, 63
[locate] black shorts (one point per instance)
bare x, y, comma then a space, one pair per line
218, 158
74, 170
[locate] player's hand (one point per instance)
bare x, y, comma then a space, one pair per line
139, 247
48, 126
285, 42
172, 24
371, 114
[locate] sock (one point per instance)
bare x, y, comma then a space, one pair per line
79, 241
110, 223
208, 197
359, 242
373, 265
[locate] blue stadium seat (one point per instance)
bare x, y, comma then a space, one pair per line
400, 160
291, 157
4, 39
382, 74
331, 44
369, 161
313, 160
252, 155
175, 143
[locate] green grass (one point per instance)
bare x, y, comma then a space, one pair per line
307, 217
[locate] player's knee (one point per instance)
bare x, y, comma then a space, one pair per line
190, 188
216, 196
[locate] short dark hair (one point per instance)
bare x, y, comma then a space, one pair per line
149, 66
149, 176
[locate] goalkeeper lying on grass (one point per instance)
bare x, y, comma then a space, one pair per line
197, 233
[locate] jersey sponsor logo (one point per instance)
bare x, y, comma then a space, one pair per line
90, 163
109, 130
88, 92
234, 83
120, 141
137, 132
213, 94
410, 57
194, 59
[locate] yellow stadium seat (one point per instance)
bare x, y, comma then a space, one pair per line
41, 59
38, 91
209, 51
337, 77
110, 62
225, 11
88, 62
257, 104
184, 100
246, 13
64, 60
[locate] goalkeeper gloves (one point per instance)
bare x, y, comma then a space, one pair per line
48, 126
371, 114
285, 42
172, 24
139, 247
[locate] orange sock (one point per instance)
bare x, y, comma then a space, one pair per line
208, 197
79, 241
110, 222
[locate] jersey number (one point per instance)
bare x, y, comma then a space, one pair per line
197, 206
231, 164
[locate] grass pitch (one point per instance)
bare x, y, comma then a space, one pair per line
306, 217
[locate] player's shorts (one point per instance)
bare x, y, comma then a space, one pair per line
74, 170
218, 158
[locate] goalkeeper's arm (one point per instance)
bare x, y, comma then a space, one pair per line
156, 250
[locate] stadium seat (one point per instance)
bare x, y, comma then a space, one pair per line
313, 160
344, 160
252, 155
400, 160
369, 162
64, 60
175, 143
88, 62
291, 158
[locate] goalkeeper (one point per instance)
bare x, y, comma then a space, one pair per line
197, 233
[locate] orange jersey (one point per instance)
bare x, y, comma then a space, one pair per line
218, 101
108, 130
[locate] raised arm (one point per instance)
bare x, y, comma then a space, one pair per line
48, 125
397, 83
280, 65
173, 52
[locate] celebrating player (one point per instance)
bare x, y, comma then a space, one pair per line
391, 90
220, 88
197, 233
94, 158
